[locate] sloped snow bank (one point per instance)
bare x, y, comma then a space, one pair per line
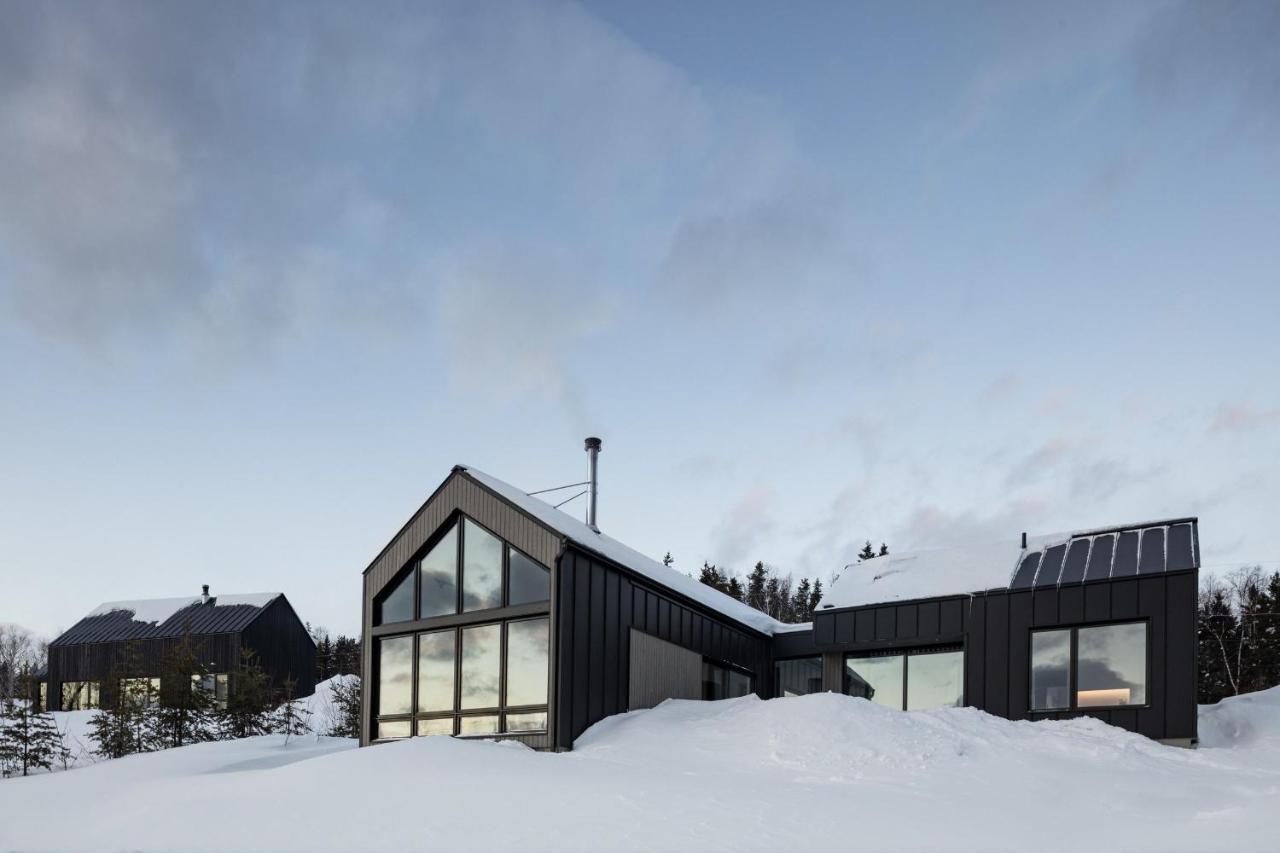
1249, 721
821, 771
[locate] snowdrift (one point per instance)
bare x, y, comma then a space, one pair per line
810, 772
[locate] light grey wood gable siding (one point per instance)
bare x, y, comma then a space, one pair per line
457, 493
661, 670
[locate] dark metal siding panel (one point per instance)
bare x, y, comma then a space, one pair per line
975, 654
864, 630
1180, 648
284, 648
1097, 602
564, 625
845, 627
997, 655
1045, 607
824, 627
1124, 599
885, 623
1150, 605
1071, 605
906, 621
833, 672
599, 675
1020, 607
951, 619
929, 618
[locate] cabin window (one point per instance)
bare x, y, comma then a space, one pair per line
1097, 666
214, 685
1111, 665
439, 573
395, 675
1050, 670
723, 682
80, 695
797, 677
140, 692
467, 570
477, 680
911, 681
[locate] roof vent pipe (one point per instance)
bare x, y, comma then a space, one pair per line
1024, 540
204, 594
593, 484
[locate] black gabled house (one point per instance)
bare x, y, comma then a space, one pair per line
130, 640
493, 614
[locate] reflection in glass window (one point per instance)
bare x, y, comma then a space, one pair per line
481, 662
140, 692
797, 677
435, 726
397, 605
435, 671
79, 695
935, 680
486, 725
388, 729
1111, 665
526, 580
438, 572
527, 662
534, 721
876, 678
721, 682
481, 568
213, 685
395, 676
1050, 670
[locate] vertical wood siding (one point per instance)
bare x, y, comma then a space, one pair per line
660, 670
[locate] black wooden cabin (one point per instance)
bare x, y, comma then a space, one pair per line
491, 614
130, 640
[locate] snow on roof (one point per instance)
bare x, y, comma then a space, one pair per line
571, 528
928, 574
158, 610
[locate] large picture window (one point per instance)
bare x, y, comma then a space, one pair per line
1097, 666
797, 677
80, 695
723, 682
913, 681
473, 680
466, 570
140, 692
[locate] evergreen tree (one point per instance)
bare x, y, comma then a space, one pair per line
734, 589
248, 697
755, 587
324, 658
121, 727
346, 701
291, 718
815, 596
801, 609
867, 552
772, 593
29, 740
667, 559
884, 550
184, 712
346, 656
1217, 637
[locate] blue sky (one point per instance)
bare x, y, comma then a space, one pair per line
926, 274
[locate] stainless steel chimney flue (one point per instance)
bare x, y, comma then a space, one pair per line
593, 483
204, 594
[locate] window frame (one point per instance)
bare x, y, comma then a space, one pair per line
906, 655
777, 682
457, 712
728, 667
1073, 680
455, 523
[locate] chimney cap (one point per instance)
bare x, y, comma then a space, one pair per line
592, 443
204, 588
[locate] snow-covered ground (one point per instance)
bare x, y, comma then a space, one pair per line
821, 771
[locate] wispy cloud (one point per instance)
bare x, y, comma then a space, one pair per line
1231, 417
